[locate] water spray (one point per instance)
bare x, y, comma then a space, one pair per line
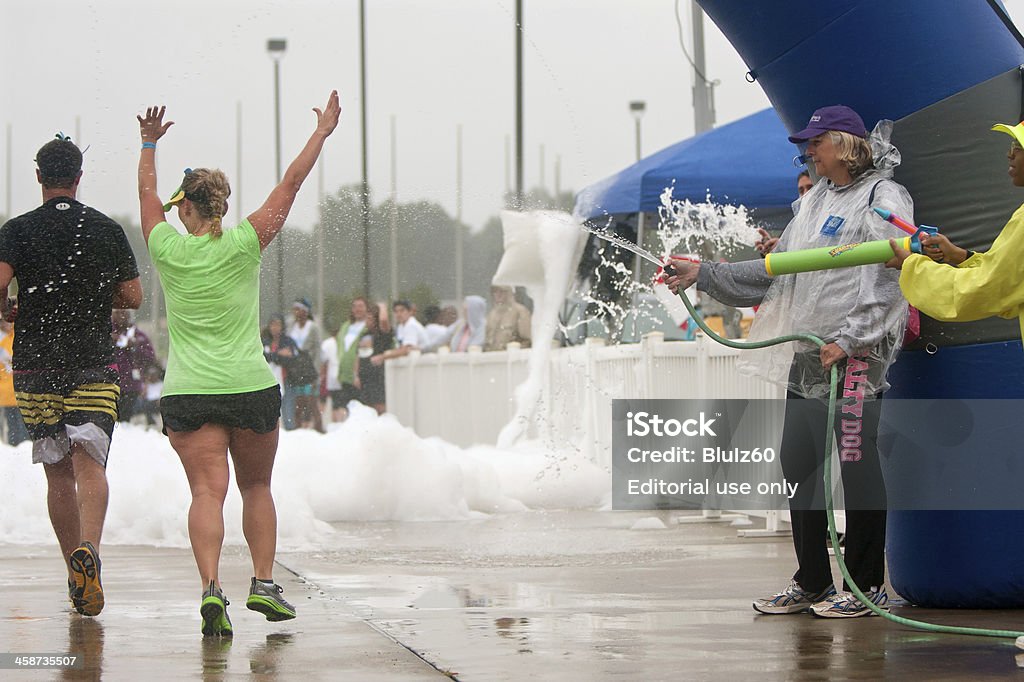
809, 260
829, 436
625, 244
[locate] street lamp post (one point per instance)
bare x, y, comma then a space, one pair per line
394, 210
362, 134
637, 108
7, 176
276, 48
238, 162
520, 195
321, 245
459, 255
703, 89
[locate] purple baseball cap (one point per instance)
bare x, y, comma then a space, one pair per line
836, 117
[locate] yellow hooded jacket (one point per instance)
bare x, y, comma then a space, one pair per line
984, 285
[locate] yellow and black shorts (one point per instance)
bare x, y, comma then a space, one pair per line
55, 403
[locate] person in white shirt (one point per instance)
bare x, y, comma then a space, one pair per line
409, 332
329, 376
438, 332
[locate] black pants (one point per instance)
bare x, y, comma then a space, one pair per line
127, 406
802, 453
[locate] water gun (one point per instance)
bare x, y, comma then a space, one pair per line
829, 257
845, 255
910, 229
848, 255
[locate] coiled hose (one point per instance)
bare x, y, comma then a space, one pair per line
829, 506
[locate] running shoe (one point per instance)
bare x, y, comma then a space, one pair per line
846, 605
85, 570
793, 599
267, 599
214, 611
72, 594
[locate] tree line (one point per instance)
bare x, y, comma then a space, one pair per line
426, 254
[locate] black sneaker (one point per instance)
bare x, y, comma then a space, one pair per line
267, 599
73, 595
85, 570
214, 610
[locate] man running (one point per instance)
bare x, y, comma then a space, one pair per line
73, 265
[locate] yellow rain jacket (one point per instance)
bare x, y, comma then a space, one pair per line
984, 285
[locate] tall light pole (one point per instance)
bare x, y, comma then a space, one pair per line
321, 245
558, 176
519, 106
7, 178
276, 48
508, 164
394, 210
238, 163
637, 108
458, 213
703, 89
541, 182
366, 179
78, 140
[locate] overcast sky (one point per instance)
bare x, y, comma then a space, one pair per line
92, 66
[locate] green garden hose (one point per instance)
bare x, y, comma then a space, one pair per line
829, 506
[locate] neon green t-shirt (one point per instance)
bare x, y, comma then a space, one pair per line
212, 291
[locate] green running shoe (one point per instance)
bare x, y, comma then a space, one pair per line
85, 569
214, 611
267, 599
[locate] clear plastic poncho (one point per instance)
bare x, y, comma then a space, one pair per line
859, 308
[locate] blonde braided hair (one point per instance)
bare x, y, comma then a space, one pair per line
208, 190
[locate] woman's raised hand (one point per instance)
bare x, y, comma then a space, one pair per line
152, 127
327, 120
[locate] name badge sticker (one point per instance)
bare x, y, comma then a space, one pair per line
832, 225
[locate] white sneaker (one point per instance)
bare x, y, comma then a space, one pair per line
846, 605
793, 599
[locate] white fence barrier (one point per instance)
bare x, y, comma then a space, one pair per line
466, 398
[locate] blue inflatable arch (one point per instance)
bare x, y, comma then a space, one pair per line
944, 72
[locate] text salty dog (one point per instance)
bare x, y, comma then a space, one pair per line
646, 424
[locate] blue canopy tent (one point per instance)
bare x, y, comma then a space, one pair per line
748, 162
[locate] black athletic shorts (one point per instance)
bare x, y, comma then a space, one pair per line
49, 399
343, 395
257, 410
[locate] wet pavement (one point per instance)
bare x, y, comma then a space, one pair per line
553, 596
